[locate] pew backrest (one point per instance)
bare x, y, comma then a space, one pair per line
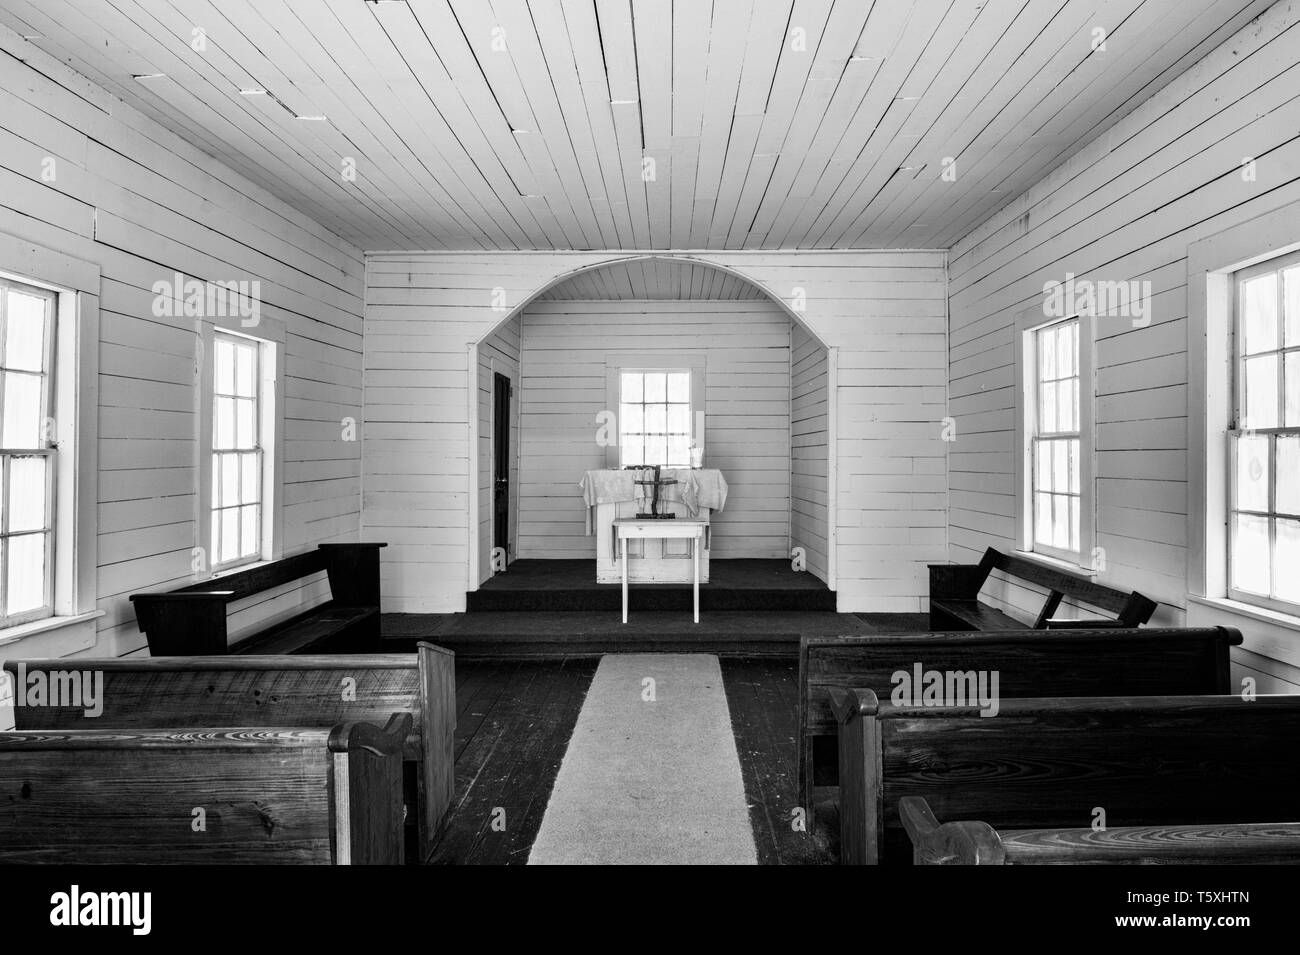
973, 842
296, 690
289, 795
1049, 763
1033, 663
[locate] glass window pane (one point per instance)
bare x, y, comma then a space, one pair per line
1259, 314
1043, 519
229, 479
1060, 522
1046, 355
1291, 279
656, 449
1066, 407
1047, 408
679, 419
27, 494
1074, 524
224, 366
1286, 558
679, 454
1064, 356
631, 390
25, 573
1260, 396
1252, 473
250, 543
22, 419
216, 536
1293, 390
656, 386
1074, 465
223, 436
229, 548
632, 418
1061, 465
25, 332
1288, 477
1042, 465
1250, 558
251, 481
656, 419
245, 366
679, 386
245, 432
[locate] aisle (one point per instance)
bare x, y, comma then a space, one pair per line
651, 775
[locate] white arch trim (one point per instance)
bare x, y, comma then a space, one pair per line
832, 374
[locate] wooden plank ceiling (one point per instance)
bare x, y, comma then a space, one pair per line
533, 124
654, 279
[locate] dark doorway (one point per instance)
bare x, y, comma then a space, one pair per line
501, 394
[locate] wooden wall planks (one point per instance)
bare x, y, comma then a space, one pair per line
746, 345
883, 312
809, 446
132, 198
1126, 207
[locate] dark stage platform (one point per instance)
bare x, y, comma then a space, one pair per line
533, 586
555, 608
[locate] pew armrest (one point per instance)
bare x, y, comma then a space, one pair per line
953, 843
183, 622
847, 703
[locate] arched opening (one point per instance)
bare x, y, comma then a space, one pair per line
760, 389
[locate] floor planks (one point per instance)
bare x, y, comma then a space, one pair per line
514, 720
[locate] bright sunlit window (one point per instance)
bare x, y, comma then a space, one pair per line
1264, 437
239, 459
1054, 439
655, 418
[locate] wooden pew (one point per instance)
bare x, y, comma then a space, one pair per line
955, 604
191, 621
300, 690
1049, 763
978, 843
220, 795
1137, 662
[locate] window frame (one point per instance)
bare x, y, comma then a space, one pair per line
694, 362
1236, 390
1036, 434
46, 447
1088, 559
690, 411
270, 338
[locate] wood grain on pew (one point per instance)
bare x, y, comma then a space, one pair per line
1135, 662
296, 690
278, 795
978, 843
1049, 763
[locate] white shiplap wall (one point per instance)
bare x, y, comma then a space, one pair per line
746, 347
809, 421
1126, 207
133, 199
884, 313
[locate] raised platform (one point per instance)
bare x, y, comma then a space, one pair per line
566, 586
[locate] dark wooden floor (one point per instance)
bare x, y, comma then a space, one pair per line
514, 720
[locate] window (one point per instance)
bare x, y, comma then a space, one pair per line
655, 418
1264, 437
239, 461
27, 447
1055, 440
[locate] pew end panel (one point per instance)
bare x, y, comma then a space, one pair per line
437, 667
369, 819
860, 755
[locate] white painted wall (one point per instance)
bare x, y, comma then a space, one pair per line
746, 347
809, 471
1126, 207
883, 312
140, 204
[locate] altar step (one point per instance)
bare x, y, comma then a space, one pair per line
569, 586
